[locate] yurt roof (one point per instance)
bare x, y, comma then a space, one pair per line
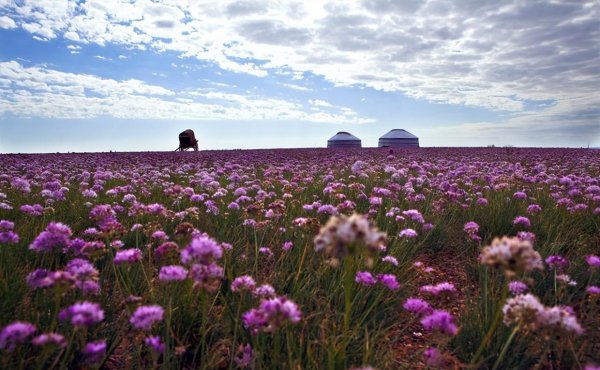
344, 136
399, 133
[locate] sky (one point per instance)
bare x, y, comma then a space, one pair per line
100, 75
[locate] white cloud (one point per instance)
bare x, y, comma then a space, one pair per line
483, 54
6, 22
41, 92
320, 103
296, 87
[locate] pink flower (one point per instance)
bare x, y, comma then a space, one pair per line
365, 278
408, 233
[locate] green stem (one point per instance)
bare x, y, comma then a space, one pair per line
492, 329
235, 332
505, 348
348, 281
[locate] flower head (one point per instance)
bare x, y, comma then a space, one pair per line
408, 233
340, 235
93, 352
82, 314
440, 320
271, 314
49, 339
417, 306
522, 220
172, 273
132, 255
557, 263
243, 283
14, 334
593, 261
145, 316
55, 235
155, 344
471, 227
389, 281
202, 249
517, 287
365, 278
513, 255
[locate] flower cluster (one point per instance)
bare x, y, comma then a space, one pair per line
55, 235
202, 254
270, 315
526, 311
7, 235
145, 316
342, 235
14, 334
82, 314
513, 255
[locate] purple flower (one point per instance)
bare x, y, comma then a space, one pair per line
55, 235
207, 277
155, 344
534, 208
243, 283
40, 278
15, 333
433, 357
593, 261
50, 339
245, 356
526, 235
264, 290
82, 314
557, 263
444, 287
32, 210
390, 259
365, 278
417, 306
327, 209
202, 249
414, 215
145, 316
271, 314
408, 233
88, 286
160, 235
441, 321
93, 352
266, 251
7, 235
172, 273
520, 195
132, 255
522, 220
287, 246
105, 216
81, 269
592, 289
517, 287
389, 281
471, 227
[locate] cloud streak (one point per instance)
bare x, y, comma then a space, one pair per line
46, 93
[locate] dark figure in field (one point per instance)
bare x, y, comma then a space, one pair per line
187, 140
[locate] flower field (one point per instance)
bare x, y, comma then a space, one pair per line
301, 259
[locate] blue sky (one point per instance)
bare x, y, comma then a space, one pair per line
121, 75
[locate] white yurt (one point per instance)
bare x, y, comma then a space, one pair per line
343, 139
398, 138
